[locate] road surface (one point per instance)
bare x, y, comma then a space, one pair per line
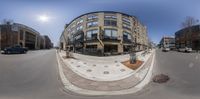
35, 76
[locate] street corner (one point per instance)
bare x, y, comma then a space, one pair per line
98, 76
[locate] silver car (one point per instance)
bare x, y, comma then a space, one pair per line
166, 49
186, 49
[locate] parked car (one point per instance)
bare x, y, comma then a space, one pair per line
186, 49
15, 50
166, 49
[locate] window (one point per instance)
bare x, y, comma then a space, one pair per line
73, 31
80, 21
91, 17
127, 20
91, 34
126, 26
110, 23
126, 23
126, 36
73, 25
69, 30
92, 24
79, 28
21, 35
110, 33
110, 17
77, 37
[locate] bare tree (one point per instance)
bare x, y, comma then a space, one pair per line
7, 21
189, 21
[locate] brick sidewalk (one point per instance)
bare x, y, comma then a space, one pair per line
84, 83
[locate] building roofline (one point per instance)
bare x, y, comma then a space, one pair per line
183, 29
27, 27
98, 12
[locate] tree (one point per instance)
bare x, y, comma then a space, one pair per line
132, 53
7, 21
189, 21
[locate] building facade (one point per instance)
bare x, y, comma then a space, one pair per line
167, 42
47, 42
188, 37
12, 34
104, 32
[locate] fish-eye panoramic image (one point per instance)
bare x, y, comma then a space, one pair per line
99, 49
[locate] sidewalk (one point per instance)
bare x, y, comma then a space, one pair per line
83, 82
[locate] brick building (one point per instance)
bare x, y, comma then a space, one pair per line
47, 42
12, 34
104, 32
167, 42
188, 37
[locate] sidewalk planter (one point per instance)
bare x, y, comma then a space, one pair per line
132, 58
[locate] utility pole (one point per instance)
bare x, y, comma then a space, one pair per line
0, 37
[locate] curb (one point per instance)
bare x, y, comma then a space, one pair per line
68, 86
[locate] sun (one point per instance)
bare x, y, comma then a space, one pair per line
43, 18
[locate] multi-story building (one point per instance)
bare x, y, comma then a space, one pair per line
104, 32
188, 37
167, 42
12, 34
47, 42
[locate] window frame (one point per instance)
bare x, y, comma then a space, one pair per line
110, 23
93, 24
129, 36
92, 33
21, 35
92, 17
112, 32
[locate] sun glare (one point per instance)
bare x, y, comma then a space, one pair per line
43, 18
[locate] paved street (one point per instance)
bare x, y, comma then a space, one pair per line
35, 76
30, 76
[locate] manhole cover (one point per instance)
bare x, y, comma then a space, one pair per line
122, 70
72, 62
106, 66
117, 65
78, 66
161, 78
89, 70
94, 65
85, 63
116, 61
106, 72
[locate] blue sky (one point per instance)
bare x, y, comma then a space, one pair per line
162, 17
